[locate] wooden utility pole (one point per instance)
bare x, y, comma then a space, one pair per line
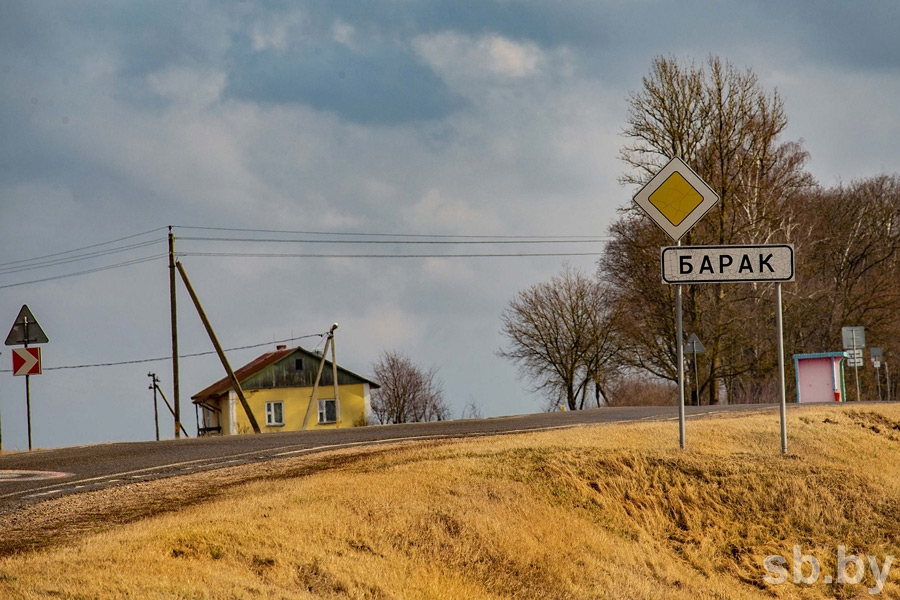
329, 341
169, 406
153, 385
235, 384
176, 396
337, 398
312, 397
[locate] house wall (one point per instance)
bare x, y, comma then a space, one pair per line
296, 400
285, 373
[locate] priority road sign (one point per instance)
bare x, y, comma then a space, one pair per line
26, 361
676, 198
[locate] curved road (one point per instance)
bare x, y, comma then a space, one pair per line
86, 468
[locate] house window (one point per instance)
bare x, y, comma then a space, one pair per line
274, 414
298, 364
327, 412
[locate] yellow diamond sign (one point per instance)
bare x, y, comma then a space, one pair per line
676, 198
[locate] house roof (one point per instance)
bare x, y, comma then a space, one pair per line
253, 367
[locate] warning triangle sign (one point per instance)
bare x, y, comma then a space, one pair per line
26, 330
693, 345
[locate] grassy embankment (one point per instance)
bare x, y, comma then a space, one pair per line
610, 511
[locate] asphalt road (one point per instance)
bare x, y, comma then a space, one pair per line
85, 468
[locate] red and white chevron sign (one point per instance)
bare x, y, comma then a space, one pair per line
26, 361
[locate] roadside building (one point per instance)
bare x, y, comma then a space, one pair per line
278, 387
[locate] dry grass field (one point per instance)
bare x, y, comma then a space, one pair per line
608, 511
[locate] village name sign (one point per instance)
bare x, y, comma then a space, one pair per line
714, 264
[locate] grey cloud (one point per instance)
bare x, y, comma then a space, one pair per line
382, 85
861, 35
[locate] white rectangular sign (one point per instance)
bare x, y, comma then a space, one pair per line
853, 337
718, 264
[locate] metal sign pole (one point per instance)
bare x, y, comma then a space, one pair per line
28, 390
696, 375
878, 382
887, 373
679, 343
855, 364
781, 389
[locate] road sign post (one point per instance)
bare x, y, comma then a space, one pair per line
887, 377
875, 354
854, 338
679, 357
26, 330
781, 388
696, 347
676, 198
737, 264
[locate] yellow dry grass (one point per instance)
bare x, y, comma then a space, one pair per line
609, 511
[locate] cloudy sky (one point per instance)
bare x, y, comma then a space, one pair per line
418, 118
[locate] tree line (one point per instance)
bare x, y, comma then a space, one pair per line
579, 334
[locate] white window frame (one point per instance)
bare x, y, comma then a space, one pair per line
270, 414
323, 403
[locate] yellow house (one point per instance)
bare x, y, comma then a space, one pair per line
278, 386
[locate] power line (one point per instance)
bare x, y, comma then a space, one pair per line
405, 241
122, 239
484, 255
94, 250
78, 257
180, 356
371, 234
86, 272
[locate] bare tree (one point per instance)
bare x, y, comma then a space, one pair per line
718, 119
408, 393
561, 336
850, 236
472, 410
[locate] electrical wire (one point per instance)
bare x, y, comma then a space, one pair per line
128, 263
470, 255
429, 242
180, 356
93, 251
78, 257
55, 254
370, 234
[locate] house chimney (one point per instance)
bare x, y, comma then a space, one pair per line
281, 347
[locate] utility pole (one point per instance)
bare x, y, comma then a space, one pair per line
169, 406
312, 397
154, 382
176, 396
235, 384
334, 375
